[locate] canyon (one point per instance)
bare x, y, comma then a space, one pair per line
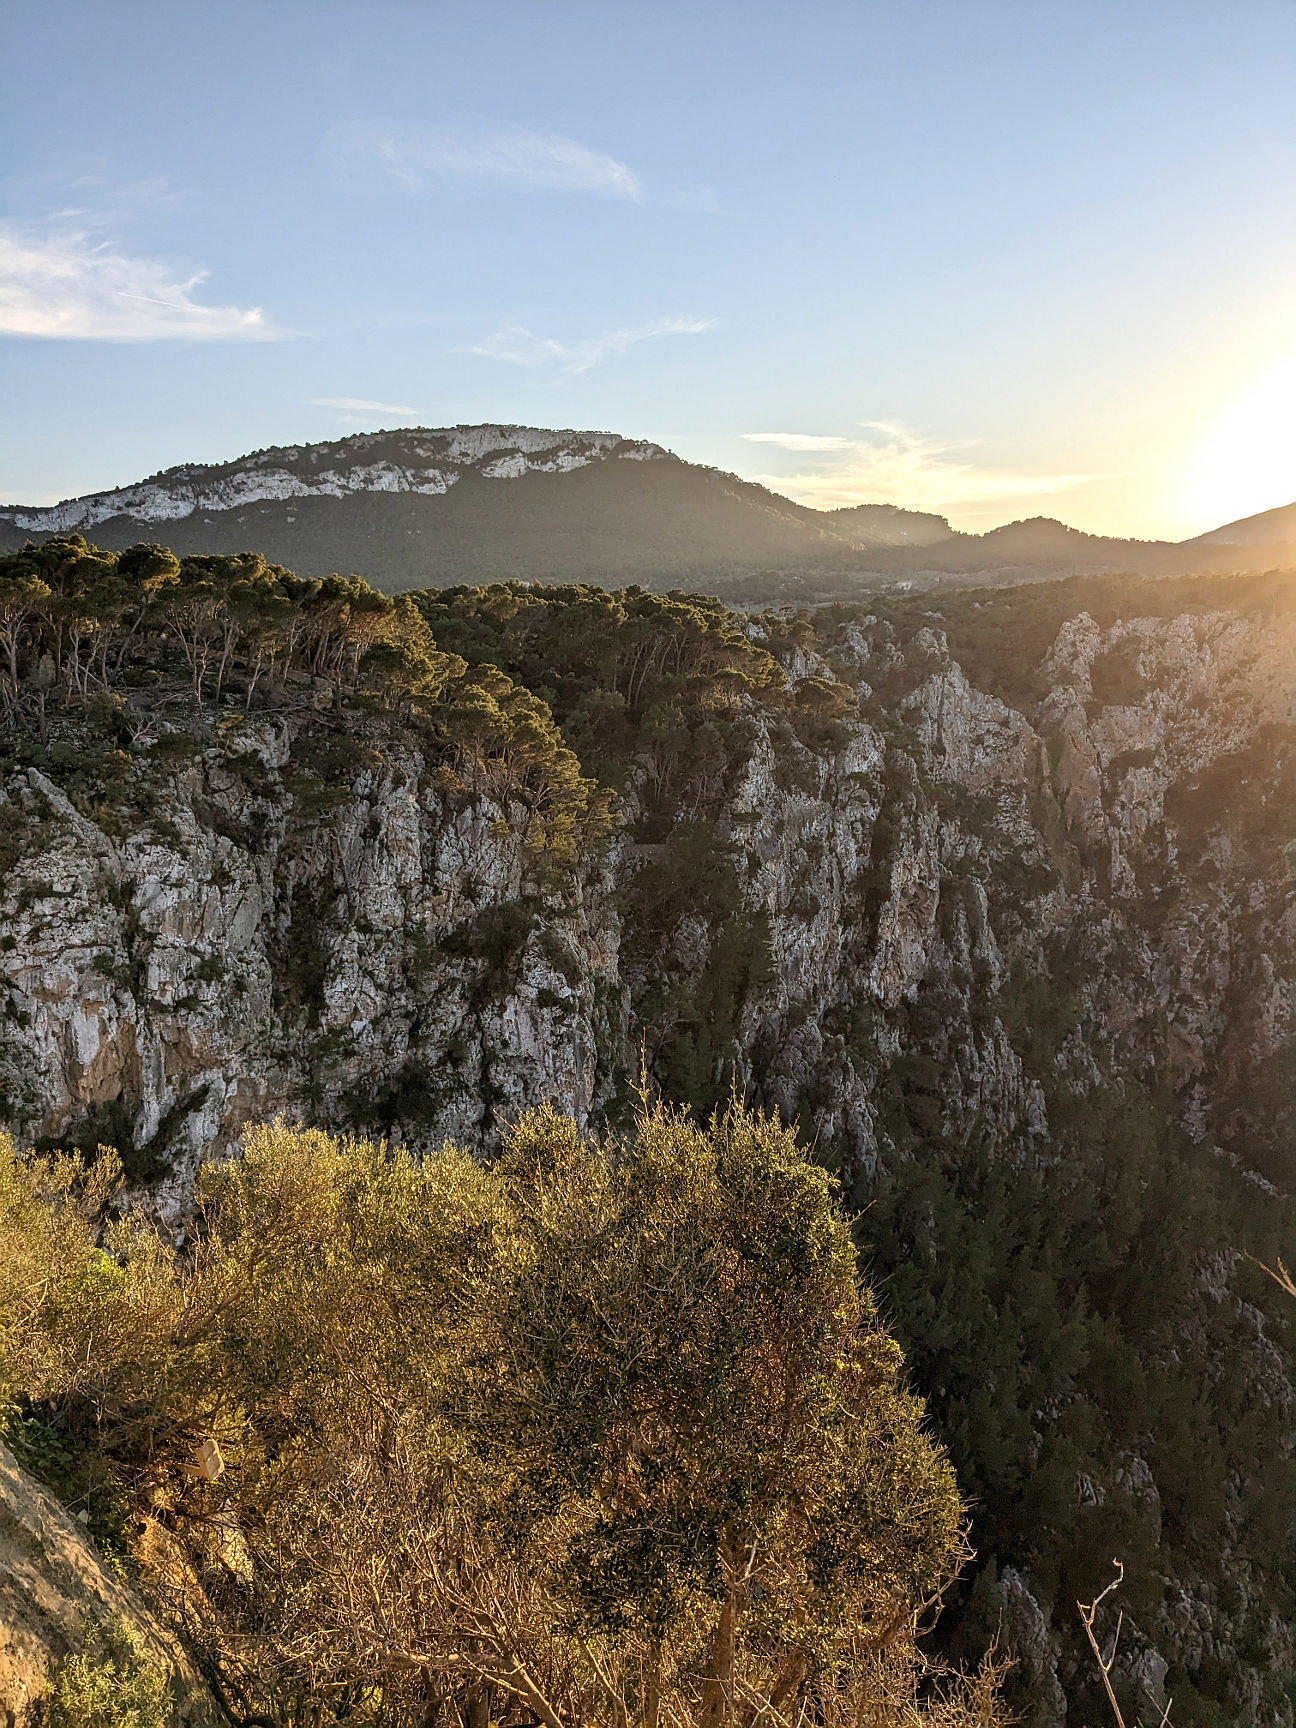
1001, 913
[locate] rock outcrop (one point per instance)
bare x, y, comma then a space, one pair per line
58, 1598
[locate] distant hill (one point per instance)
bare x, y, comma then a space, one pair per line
1269, 528
424, 508
888, 525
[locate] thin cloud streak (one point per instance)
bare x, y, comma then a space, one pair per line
66, 286
413, 158
900, 467
521, 347
358, 405
797, 440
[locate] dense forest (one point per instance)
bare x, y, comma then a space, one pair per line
1071, 1284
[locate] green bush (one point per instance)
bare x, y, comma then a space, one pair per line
120, 1688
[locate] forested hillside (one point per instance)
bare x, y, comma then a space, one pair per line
991, 896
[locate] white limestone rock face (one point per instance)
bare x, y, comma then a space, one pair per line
237, 960
421, 460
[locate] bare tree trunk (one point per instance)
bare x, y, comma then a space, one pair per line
226, 650
652, 1689
717, 1692
476, 1711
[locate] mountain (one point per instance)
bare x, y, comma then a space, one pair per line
1269, 528
424, 508
470, 503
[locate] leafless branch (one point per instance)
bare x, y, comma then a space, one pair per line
1088, 1613
1281, 1277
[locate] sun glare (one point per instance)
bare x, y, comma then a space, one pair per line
1247, 461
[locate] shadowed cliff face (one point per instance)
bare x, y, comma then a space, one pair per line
1023, 973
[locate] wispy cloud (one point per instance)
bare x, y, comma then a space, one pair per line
358, 407
415, 158
524, 348
896, 466
797, 440
67, 285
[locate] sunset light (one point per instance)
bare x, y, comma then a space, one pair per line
647, 808
1246, 462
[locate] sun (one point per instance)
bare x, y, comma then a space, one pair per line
1247, 461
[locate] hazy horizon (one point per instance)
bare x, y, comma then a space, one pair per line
993, 262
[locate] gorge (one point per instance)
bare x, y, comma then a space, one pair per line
991, 894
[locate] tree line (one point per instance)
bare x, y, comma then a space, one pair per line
76, 619
559, 699
118, 638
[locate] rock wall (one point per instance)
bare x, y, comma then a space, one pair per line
393, 960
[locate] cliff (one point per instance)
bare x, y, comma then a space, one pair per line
1010, 934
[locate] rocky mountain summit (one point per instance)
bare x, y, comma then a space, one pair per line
424, 462
997, 901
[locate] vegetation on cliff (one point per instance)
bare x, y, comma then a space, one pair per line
1071, 1110
604, 1432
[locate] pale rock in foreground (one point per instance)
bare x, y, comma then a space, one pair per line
57, 1598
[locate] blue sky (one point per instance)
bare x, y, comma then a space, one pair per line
994, 259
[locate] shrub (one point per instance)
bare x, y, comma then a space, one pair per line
121, 1688
606, 1415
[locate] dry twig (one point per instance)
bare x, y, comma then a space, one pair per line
1281, 1277
1088, 1614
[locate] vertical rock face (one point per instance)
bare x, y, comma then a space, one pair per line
258, 940
1008, 964
1141, 817
388, 960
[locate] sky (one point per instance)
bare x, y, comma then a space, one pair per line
990, 259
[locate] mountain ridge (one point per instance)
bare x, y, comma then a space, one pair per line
1262, 529
423, 506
